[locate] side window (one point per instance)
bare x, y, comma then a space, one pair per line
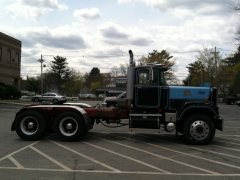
155, 77
0, 53
16, 58
143, 76
163, 78
9, 56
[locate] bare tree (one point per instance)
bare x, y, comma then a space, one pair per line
236, 9
123, 69
115, 71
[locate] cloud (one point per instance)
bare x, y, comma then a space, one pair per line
87, 14
124, 1
204, 7
63, 37
33, 9
114, 34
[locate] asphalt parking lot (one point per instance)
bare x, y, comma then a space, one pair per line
110, 153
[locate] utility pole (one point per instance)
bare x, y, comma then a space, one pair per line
41, 61
215, 58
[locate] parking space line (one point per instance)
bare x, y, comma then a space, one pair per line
87, 157
217, 162
169, 159
233, 149
203, 150
51, 159
14, 161
135, 160
227, 142
123, 172
228, 138
9, 155
227, 135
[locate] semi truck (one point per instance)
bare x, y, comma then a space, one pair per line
150, 104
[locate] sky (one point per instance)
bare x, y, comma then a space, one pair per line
94, 33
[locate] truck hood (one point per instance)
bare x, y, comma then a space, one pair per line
189, 93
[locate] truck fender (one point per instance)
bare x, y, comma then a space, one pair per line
193, 109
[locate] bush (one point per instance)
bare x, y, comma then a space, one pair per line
12, 92
3, 91
9, 91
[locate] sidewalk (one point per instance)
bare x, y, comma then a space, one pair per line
23, 102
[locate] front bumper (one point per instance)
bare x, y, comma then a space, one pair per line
104, 104
219, 123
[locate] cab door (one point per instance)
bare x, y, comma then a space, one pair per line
147, 93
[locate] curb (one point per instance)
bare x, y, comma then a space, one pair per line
14, 102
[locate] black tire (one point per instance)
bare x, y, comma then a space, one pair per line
232, 102
55, 101
30, 125
36, 100
113, 105
198, 129
69, 126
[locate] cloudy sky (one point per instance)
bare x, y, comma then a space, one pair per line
96, 33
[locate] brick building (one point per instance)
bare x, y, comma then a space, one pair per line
10, 60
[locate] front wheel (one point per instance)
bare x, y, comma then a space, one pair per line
30, 125
198, 129
112, 105
36, 100
69, 126
55, 101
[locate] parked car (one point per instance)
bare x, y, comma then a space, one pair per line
231, 99
80, 96
90, 96
116, 101
238, 103
49, 96
102, 96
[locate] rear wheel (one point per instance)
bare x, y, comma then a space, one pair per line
198, 129
36, 100
231, 102
69, 126
30, 125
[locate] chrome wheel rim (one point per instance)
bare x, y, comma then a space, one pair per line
199, 130
29, 125
68, 126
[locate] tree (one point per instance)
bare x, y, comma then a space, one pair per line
229, 73
93, 76
236, 8
32, 84
235, 85
205, 68
73, 86
94, 86
234, 58
123, 69
60, 71
162, 57
115, 71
